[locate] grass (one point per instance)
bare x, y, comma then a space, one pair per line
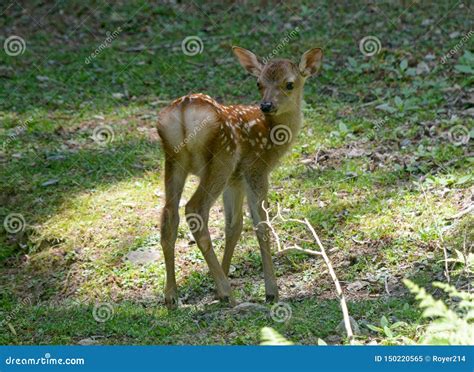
375, 168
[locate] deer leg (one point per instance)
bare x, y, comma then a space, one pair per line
257, 188
175, 177
197, 215
233, 200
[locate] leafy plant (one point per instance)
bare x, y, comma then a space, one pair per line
466, 261
271, 337
449, 326
466, 63
389, 331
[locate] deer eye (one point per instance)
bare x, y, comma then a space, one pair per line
290, 85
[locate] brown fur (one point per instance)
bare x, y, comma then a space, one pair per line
232, 149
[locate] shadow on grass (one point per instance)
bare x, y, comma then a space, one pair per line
131, 323
40, 184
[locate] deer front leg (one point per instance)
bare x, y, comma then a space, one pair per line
257, 189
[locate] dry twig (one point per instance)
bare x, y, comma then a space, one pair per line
321, 252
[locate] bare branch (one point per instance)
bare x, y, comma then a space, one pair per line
268, 222
295, 248
321, 252
469, 209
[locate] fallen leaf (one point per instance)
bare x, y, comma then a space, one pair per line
422, 68
357, 285
11, 328
87, 342
50, 182
341, 329
454, 35
356, 153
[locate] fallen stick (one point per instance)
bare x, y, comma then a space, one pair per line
461, 213
321, 252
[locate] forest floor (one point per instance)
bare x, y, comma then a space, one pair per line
382, 164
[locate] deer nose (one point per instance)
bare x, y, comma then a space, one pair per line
266, 106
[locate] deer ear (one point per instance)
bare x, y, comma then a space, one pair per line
248, 60
311, 62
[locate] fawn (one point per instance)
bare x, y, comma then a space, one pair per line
232, 150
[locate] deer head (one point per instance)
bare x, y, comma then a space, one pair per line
280, 81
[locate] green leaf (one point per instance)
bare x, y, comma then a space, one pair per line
404, 64
386, 107
463, 179
384, 321
467, 57
352, 61
388, 332
374, 328
12, 329
464, 69
321, 342
271, 337
398, 102
411, 71
342, 127
397, 324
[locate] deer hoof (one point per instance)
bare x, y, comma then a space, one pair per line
171, 303
228, 300
271, 298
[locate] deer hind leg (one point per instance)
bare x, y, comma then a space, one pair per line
257, 188
175, 176
233, 200
197, 214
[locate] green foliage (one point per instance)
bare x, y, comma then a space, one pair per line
271, 337
466, 63
465, 262
390, 332
368, 134
449, 326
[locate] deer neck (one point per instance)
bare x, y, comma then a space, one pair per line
292, 118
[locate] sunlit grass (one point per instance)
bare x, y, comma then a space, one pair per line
379, 196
